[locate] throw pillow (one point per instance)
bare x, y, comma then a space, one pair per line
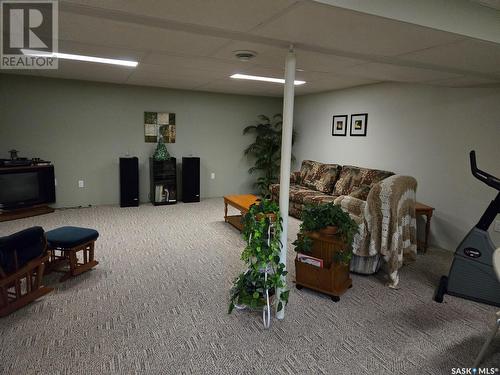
328, 176
307, 171
321, 177
346, 180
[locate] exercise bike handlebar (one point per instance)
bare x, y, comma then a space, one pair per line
487, 178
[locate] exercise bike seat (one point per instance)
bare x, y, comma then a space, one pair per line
496, 262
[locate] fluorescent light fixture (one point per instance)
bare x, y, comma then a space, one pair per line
265, 79
68, 56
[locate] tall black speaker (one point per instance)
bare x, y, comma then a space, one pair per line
190, 179
129, 182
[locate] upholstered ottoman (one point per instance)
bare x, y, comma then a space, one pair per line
65, 243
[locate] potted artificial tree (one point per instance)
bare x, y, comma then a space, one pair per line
265, 151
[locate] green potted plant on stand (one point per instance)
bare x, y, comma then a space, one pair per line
327, 219
263, 279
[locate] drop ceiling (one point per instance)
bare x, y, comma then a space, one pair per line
190, 44
494, 4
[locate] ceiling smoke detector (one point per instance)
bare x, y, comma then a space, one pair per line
245, 55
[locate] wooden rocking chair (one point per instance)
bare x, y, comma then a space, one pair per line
22, 261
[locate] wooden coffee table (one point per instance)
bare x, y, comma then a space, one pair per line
241, 203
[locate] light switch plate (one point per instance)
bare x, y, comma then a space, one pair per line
81, 183
212, 176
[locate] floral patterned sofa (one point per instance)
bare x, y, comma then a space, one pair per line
383, 204
320, 183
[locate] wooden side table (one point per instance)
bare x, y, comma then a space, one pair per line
334, 278
424, 210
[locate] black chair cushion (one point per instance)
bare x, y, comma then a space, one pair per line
28, 244
68, 237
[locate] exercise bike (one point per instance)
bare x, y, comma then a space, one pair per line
471, 274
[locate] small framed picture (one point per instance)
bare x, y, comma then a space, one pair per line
339, 125
359, 122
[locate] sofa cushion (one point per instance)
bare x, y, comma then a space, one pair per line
357, 180
318, 198
306, 171
301, 195
298, 192
294, 191
319, 176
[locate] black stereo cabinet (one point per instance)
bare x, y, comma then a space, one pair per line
163, 181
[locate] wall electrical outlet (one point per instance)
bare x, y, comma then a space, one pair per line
497, 226
81, 183
212, 176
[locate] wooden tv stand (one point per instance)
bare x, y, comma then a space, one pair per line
45, 173
21, 213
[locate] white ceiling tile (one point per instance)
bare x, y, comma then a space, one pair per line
465, 81
194, 60
333, 82
389, 72
160, 71
27, 72
242, 86
72, 47
200, 63
174, 83
239, 91
89, 71
236, 15
331, 27
103, 32
313, 79
470, 55
270, 56
312, 61
493, 4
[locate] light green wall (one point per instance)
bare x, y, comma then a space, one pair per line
416, 130
84, 127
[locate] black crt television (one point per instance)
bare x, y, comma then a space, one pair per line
26, 186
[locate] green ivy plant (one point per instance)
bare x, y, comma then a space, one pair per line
262, 221
319, 216
265, 151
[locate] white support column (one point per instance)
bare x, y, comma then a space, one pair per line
286, 153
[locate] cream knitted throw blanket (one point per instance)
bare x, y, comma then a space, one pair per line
387, 223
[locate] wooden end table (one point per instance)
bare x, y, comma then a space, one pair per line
424, 210
334, 278
241, 203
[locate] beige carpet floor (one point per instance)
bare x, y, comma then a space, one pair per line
157, 302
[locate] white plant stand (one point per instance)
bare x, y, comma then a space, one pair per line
266, 309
